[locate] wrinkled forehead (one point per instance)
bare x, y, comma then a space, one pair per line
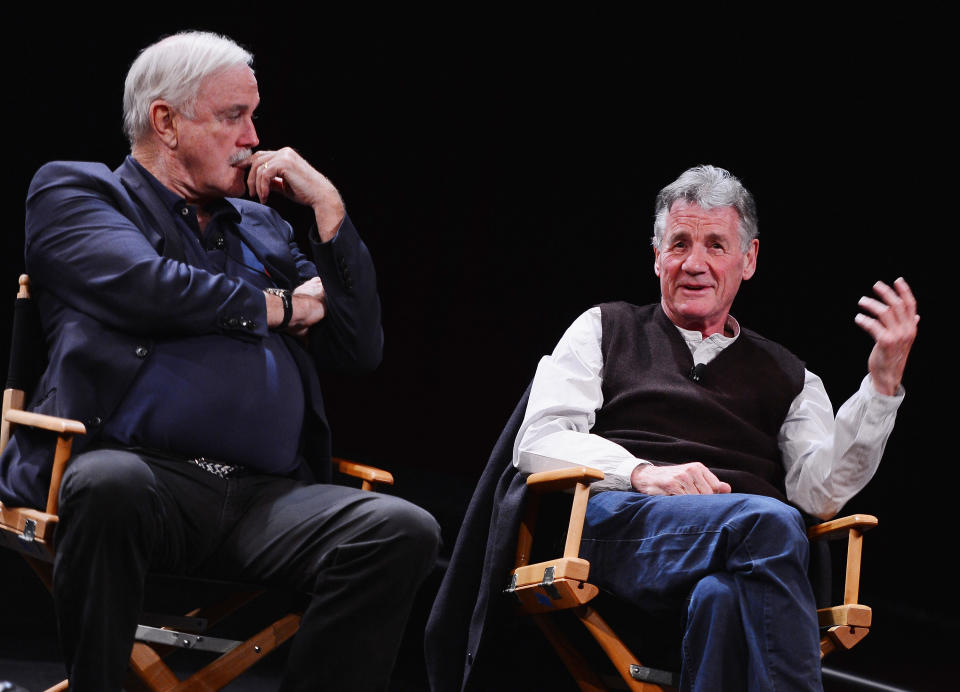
231, 86
686, 217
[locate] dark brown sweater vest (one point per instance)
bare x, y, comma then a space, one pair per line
728, 421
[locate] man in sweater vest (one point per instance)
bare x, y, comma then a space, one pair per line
712, 440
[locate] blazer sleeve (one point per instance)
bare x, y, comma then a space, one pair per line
350, 337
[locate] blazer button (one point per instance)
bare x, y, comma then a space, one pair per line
94, 422
142, 351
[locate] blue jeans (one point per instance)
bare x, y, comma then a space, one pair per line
736, 563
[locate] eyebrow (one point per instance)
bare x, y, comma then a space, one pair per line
237, 108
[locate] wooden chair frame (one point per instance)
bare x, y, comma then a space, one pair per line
31, 533
561, 584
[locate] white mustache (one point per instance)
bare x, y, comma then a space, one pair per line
241, 155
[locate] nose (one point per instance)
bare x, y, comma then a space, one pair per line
695, 261
248, 138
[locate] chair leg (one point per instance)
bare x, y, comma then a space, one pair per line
615, 649
586, 679
231, 664
44, 571
148, 672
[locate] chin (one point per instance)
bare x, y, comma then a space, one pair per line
235, 188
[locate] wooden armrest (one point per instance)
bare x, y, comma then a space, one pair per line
851, 528
853, 615
561, 479
368, 474
16, 518
30, 532
44, 422
840, 528
577, 477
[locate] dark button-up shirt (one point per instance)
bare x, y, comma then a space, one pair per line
232, 400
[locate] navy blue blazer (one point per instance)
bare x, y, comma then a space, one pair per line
108, 277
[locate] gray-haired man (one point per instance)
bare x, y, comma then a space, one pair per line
186, 329
710, 437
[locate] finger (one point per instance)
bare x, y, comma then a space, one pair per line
252, 163
890, 298
871, 326
906, 295
264, 176
715, 484
252, 178
701, 481
882, 311
900, 299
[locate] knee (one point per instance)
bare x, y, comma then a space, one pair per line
411, 532
775, 528
715, 594
417, 528
105, 483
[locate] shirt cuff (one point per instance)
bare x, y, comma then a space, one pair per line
625, 469
890, 400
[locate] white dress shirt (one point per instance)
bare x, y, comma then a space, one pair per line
826, 460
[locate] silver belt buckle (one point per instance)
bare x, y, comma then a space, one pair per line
216, 468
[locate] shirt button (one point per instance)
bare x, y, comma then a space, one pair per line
142, 351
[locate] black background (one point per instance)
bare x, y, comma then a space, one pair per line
502, 171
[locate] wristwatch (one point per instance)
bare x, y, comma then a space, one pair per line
287, 297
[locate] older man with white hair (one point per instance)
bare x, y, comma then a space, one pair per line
186, 328
712, 439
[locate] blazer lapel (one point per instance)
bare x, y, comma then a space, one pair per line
275, 258
162, 233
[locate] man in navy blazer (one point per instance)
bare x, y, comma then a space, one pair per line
185, 328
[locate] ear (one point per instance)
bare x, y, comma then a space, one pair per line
163, 120
750, 259
656, 261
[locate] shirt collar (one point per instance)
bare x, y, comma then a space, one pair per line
175, 203
706, 349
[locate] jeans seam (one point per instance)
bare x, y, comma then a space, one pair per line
767, 664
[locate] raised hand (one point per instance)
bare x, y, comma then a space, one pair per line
893, 326
287, 172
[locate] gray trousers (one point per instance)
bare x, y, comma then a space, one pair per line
360, 556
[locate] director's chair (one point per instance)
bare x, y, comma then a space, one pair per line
32, 533
549, 587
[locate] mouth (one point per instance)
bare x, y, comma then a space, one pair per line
240, 157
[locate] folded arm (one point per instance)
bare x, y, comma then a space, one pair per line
82, 248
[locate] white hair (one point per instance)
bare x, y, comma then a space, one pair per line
708, 187
173, 69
